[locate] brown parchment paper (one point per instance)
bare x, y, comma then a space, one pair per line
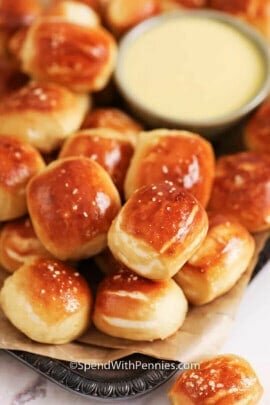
203, 332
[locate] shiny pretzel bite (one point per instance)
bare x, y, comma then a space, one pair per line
78, 57
219, 262
179, 156
43, 114
132, 307
19, 162
112, 118
222, 380
257, 131
112, 150
72, 204
19, 243
121, 15
241, 189
158, 230
74, 12
48, 301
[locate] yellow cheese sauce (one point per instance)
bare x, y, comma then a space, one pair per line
193, 69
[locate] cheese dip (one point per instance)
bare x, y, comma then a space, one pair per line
192, 68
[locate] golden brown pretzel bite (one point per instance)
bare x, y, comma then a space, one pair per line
179, 156
48, 301
19, 243
223, 380
19, 162
257, 131
78, 57
132, 307
218, 263
43, 114
241, 189
72, 204
158, 230
111, 149
112, 118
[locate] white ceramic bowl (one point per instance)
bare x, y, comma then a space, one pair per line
210, 127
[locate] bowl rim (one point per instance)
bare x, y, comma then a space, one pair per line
244, 28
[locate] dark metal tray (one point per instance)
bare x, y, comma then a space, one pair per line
112, 384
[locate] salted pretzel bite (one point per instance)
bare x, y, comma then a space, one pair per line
219, 262
112, 118
78, 57
72, 204
132, 307
179, 156
257, 131
111, 149
19, 162
225, 379
48, 301
158, 230
42, 114
241, 189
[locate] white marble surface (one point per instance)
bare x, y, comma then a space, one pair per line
250, 338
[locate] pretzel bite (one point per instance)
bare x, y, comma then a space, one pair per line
74, 12
158, 230
48, 301
72, 204
78, 57
121, 15
43, 114
111, 118
219, 262
241, 189
257, 132
19, 162
135, 308
19, 243
112, 150
15, 14
224, 380
178, 156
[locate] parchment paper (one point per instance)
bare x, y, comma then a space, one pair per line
203, 332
